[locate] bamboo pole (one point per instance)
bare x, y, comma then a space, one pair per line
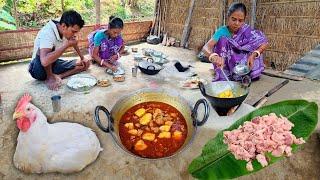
253, 13
154, 18
97, 3
160, 17
157, 19
165, 15
186, 29
223, 12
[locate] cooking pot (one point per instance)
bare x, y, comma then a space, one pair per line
213, 89
146, 95
149, 68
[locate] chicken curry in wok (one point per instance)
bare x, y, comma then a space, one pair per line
153, 130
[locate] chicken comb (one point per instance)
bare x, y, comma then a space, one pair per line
23, 101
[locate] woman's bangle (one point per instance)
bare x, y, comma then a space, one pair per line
211, 55
118, 55
256, 51
101, 63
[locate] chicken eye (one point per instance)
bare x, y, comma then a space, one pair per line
28, 109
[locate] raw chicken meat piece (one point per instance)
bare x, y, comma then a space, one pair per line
268, 133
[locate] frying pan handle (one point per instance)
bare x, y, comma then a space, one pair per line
202, 89
150, 60
97, 118
194, 113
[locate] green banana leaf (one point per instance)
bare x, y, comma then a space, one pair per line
5, 16
216, 162
6, 26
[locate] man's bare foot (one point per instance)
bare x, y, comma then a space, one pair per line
53, 82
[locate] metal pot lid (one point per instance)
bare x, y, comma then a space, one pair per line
241, 69
147, 51
138, 56
158, 54
145, 65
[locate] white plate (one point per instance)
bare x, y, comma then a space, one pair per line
192, 83
81, 82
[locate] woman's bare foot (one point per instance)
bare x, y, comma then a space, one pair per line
53, 82
80, 66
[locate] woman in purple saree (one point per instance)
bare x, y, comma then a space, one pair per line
236, 43
106, 45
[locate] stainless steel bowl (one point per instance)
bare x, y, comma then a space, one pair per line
241, 70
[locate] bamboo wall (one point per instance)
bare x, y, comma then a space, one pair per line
205, 19
207, 16
19, 44
291, 26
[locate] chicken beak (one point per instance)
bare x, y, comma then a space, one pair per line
16, 115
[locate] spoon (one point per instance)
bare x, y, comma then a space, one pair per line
229, 83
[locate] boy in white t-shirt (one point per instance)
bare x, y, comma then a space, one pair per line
51, 42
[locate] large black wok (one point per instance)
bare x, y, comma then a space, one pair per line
149, 68
223, 105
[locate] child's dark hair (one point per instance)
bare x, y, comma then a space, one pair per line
71, 18
115, 22
237, 7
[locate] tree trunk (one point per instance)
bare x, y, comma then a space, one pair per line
16, 13
97, 2
123, 3
62, 5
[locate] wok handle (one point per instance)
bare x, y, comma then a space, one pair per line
202, 89
151, 67
194, 114
97, 118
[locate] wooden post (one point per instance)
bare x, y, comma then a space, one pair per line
97, 3
186, 29
15, 13
253, 12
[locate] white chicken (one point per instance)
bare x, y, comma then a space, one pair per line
60, 147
